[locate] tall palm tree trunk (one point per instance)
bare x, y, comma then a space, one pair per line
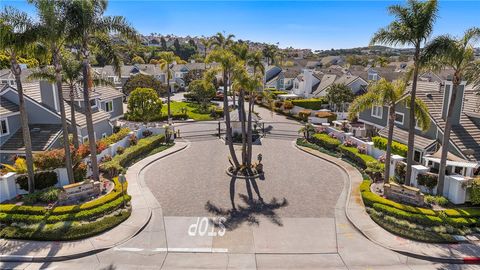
241, 108
249, 130
446, 137
388, 154
411, 123
66, 143
72, 117
24, 121
168, 91
226, 113
88, 114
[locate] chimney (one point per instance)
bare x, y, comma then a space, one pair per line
49, 95
458, 106
308, 81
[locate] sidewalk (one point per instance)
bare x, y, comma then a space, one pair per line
356, 214
142, 204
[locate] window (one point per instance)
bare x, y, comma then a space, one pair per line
93, 103
399, 118
372, 77
417, 156
85, 139
417, 125
109, 106
4, 127
377, 112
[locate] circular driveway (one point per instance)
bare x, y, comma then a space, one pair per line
185, 182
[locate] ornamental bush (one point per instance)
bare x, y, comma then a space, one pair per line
325, 141
304, 114
400, 172
311, 103
397, 148
329, 115
475, 191
42, 180
116, 137
429, 180
287, 105
354, 154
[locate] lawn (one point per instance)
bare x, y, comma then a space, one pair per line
193, 110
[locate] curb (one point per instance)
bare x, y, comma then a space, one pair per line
37, 259
465, 260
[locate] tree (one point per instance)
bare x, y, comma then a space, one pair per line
193, 74
226, 60
382, 61
91, 29
413, 25
17, 34
144, 105
206, 42
163, 43
53, 32
166, 61
221, 41
338, 95
307, 130
389, 94
458, 55
270, 52
138, 60
202, 91
143, 81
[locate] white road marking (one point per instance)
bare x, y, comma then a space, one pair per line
128, 249
184, 250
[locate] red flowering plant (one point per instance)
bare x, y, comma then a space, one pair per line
350, 143
132, 140
362, 149
322, 129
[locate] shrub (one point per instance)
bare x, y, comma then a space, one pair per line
49, 160
120, 150
329, 115
116, 137
84, 149
42, 180
397, 148
354, 154
119, 161
132, 140
287, 105
475, 191
278, 103
146, 133
438, 200
429, 180
325, 141
400, 172
311, 103
304, 114
80, 172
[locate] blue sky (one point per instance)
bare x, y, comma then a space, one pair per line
309, 24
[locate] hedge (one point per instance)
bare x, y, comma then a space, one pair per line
325, 141
42, 180
64, 230
116, 137
354, 154
311, 103
114, 166
397, 148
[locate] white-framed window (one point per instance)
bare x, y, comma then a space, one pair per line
4, 130
373, 77
109, 106
377, 111
399, 118
104, 135
85, 139
417, 125
93, 103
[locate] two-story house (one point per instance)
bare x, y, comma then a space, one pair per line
42, 106
465, 136
108, 73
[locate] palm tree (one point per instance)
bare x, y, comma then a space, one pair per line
459, 55
227, 60
307, 130
270, 52
206, 42
221, 41
389, 94
413, 25
166, 61
91, 28
17, 34
53, 35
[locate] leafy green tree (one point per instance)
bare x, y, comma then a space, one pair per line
144, 105
221, 41
269, 52
412, 26
193, 74
166, 61
91, 29
338, 95
387, 94
202, 91
17, 35
458, 55
143, 81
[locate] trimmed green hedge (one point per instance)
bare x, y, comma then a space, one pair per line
311, 103
64, 230
118, 162
42, 180
325, 141
397, 148
352, 152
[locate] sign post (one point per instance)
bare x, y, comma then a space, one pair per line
122, 180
